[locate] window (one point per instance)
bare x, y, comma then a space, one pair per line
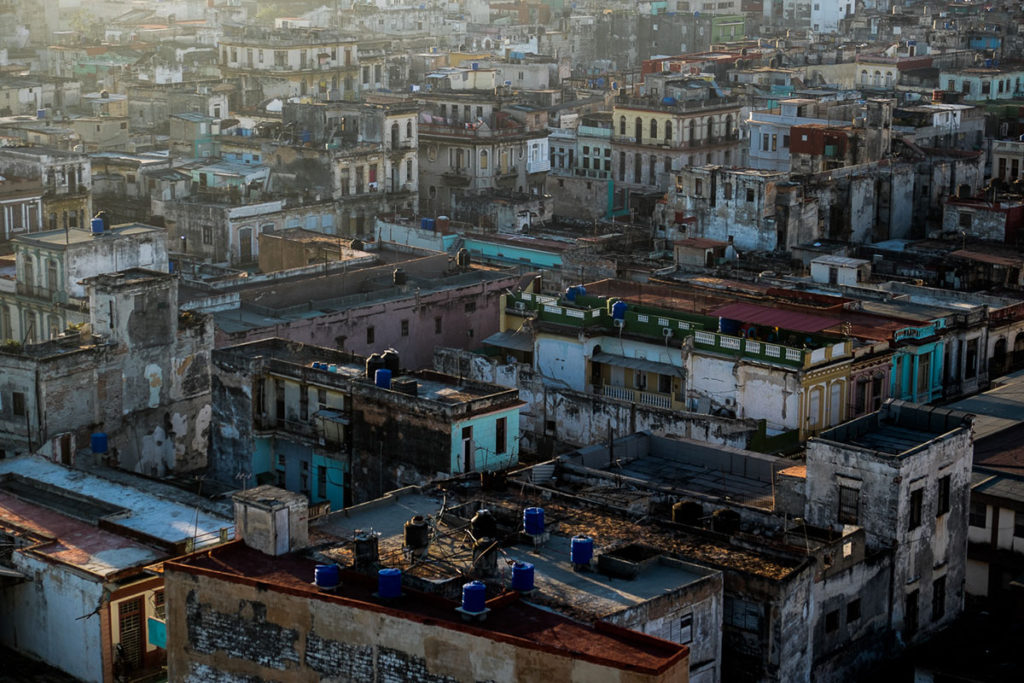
1018, 524
742, 614
971, 363
668, 131
654, 128
853, 610
159, 607
304, 403
698, 188
979, 515
622, 125
500, 435
18, 403
369, 334
849, 503
832, 621
321, 399
470, 307
785, 142
943, 496
483, 159
207, 234
750, 194
764, 142
910, 618
686, 629
938, 598
775, 139
664, 384
405, 328
916, 501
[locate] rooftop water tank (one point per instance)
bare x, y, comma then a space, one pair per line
687, 512
474, 597
398, 277
581, 551
327, 576
522, 577
391, 361
374, 363
382, 378
97, 226
725, 521
483, 524
417, 533
619, 310
533, 521
389, 583
98, 442
729, 326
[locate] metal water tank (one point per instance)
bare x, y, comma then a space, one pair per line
417, 533
374, 363
483, 524
392, 361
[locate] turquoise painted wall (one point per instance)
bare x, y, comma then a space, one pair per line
485, 457
508, 253
905, 364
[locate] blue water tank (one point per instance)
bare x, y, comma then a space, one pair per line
97, 225
476, 66
619, 310
533, 521
522, 577
98, 442
170, 267
331, 367
327, 576
306, 136
428, 224
474, 596
382, 378
729, 326
581, 550
389, 583
40, 114
670, 101
581, 290
570, 294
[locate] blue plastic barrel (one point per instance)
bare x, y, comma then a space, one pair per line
332, 367
619, 310
98, 442
474, 596
430, 224
425, 224
97, 225
389, 583
522, 577
533, 521
382, 378
581, 550
570, 294
327, 576
729, 326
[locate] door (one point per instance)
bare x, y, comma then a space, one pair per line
467, 449
65, 449
281, 539
129, 624
245, 245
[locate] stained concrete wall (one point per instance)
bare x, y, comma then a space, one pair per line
42, 617
234, 631
937, 546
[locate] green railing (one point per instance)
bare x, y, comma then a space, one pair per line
594, 312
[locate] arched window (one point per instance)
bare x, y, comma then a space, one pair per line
639, 129
408, 129
693, 130
877, 79
654, 128
668, 130
622, 125
394, 135
483, 159
728, 125
864, 77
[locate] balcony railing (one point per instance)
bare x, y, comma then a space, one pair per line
46, 293
637, 396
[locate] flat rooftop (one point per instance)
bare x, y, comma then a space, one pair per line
510, 619
897, 429
144, 512
998, 409
70, 541
61, 238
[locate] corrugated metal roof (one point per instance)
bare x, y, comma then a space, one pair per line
511, 340
637, 364
775, 317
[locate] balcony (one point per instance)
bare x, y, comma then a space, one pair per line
645, 398
458, 177
47, 294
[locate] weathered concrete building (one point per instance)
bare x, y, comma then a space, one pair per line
351, 634
21, 208
66, 178
74, 588
333, 435
141, 377
903, 474
48, 296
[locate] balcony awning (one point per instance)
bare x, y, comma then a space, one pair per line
637, 364
516, 341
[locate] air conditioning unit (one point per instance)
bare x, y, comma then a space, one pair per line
666, 332
619, 322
